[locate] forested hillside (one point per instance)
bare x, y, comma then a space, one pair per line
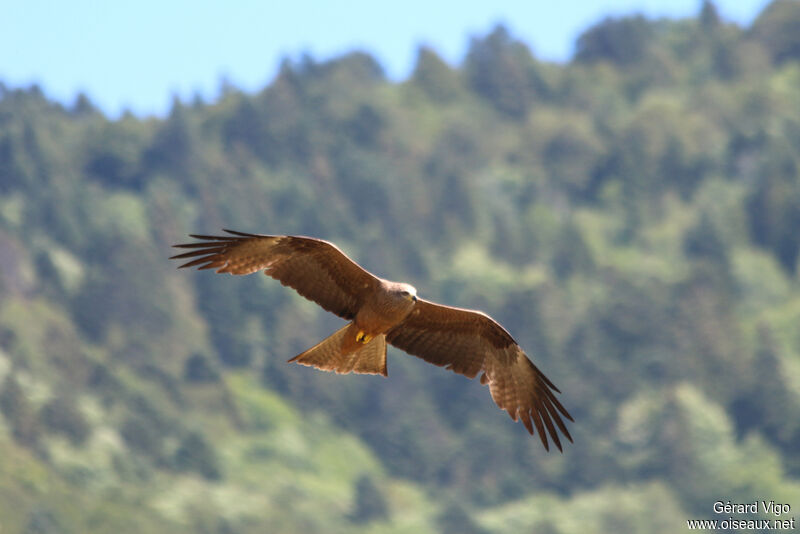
631, 217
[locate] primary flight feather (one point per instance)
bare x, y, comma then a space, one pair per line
467, 342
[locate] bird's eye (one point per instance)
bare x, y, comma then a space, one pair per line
405, 293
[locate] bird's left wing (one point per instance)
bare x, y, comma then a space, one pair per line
316, 269
468, 342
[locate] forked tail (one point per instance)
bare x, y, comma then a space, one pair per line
342, 354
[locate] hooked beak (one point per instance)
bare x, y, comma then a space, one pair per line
414, 298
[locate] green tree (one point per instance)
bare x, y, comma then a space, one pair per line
370, 504
503, 71
455, 519
774, 208
19, 412
199, 368
196, 454
61, 416
435, 77
709, 16
776, 29
623, 41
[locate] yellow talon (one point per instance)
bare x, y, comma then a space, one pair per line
363, 337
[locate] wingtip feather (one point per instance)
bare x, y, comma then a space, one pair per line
209, 237
240, 234
540, 429
526, 420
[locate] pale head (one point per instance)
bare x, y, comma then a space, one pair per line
402, 290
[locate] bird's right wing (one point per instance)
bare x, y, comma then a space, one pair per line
316, 269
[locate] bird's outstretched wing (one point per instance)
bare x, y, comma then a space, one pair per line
316, 269
468, 342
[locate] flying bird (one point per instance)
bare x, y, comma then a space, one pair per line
379, 311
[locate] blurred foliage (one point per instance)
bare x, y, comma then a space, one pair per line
630, 216
370, 504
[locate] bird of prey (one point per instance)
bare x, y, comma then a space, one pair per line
467, 342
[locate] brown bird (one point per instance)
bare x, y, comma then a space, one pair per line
467, 342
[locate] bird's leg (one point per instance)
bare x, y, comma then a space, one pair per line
363, 338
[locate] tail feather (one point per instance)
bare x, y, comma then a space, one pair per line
334, 353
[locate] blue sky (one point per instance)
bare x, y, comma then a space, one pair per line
136, 55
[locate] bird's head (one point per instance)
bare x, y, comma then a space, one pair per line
407, 291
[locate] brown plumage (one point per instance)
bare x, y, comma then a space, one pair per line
467, 342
